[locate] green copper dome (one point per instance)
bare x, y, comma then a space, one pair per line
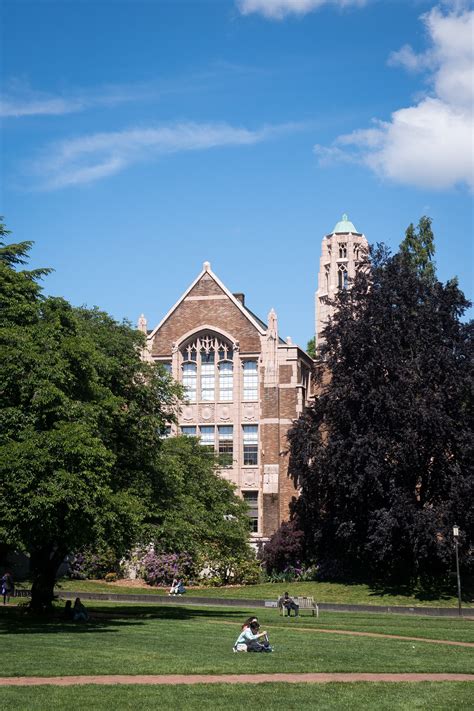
345, 226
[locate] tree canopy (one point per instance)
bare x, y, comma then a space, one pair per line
383, 457
81, 420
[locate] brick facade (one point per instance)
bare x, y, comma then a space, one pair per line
213, 340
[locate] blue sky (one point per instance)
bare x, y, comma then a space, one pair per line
142, 138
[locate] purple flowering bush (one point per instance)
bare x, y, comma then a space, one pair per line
162, 568
93, 564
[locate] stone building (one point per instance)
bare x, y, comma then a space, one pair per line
245, 387
341, 253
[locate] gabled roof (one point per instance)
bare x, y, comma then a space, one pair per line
206, 269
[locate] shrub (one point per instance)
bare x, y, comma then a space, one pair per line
111, 577
95, 564
233, 570
161, 568
284, 550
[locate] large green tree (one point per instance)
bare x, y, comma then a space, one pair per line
81, 419
384, 456
201, 514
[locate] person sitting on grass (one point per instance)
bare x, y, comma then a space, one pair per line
248, 622
180, 589
79, 611
288, 604
68, 613
173, 587
247, 641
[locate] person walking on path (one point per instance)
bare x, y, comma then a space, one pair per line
7, 587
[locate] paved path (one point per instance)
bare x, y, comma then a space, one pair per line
173, 679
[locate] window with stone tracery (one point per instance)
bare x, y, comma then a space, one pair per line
342, 250
342, 277
207, 369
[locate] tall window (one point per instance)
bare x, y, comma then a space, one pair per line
342, 250
207, 369
251, 499
189, 431
342, 277
226, 380
190, 380
326, 276
250, 380
226, 445
207, 377
250, 441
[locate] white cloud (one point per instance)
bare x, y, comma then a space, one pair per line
89, 158
278, 9
20, 100
406, 57
429, 144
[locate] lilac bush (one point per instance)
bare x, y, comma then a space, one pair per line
93, 564
162, 568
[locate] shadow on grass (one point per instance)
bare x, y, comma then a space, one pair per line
423, 594
103, 619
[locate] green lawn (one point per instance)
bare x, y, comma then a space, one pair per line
284, 697
187, 640
323, 592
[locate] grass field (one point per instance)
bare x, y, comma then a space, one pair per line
193, 640
323, 592
134, 639
278, 697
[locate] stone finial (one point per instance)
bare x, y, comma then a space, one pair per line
272, 330
289, 340
142, 324
206, 266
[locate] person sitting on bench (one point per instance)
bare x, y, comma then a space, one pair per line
288, 604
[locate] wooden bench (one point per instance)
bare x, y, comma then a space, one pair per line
304, 603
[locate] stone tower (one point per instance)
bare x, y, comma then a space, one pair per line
341, 252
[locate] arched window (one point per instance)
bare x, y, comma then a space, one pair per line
207, 362
342, 277
342, 250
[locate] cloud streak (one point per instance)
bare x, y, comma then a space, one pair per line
20, 100
279, 9
86, 159
429, 144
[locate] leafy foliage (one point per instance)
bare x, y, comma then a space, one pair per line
161, 569
311, 347
198, 512
284, 549
384, 456
418, 248
96, 564
81, 418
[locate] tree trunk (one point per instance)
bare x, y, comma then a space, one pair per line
44, 566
